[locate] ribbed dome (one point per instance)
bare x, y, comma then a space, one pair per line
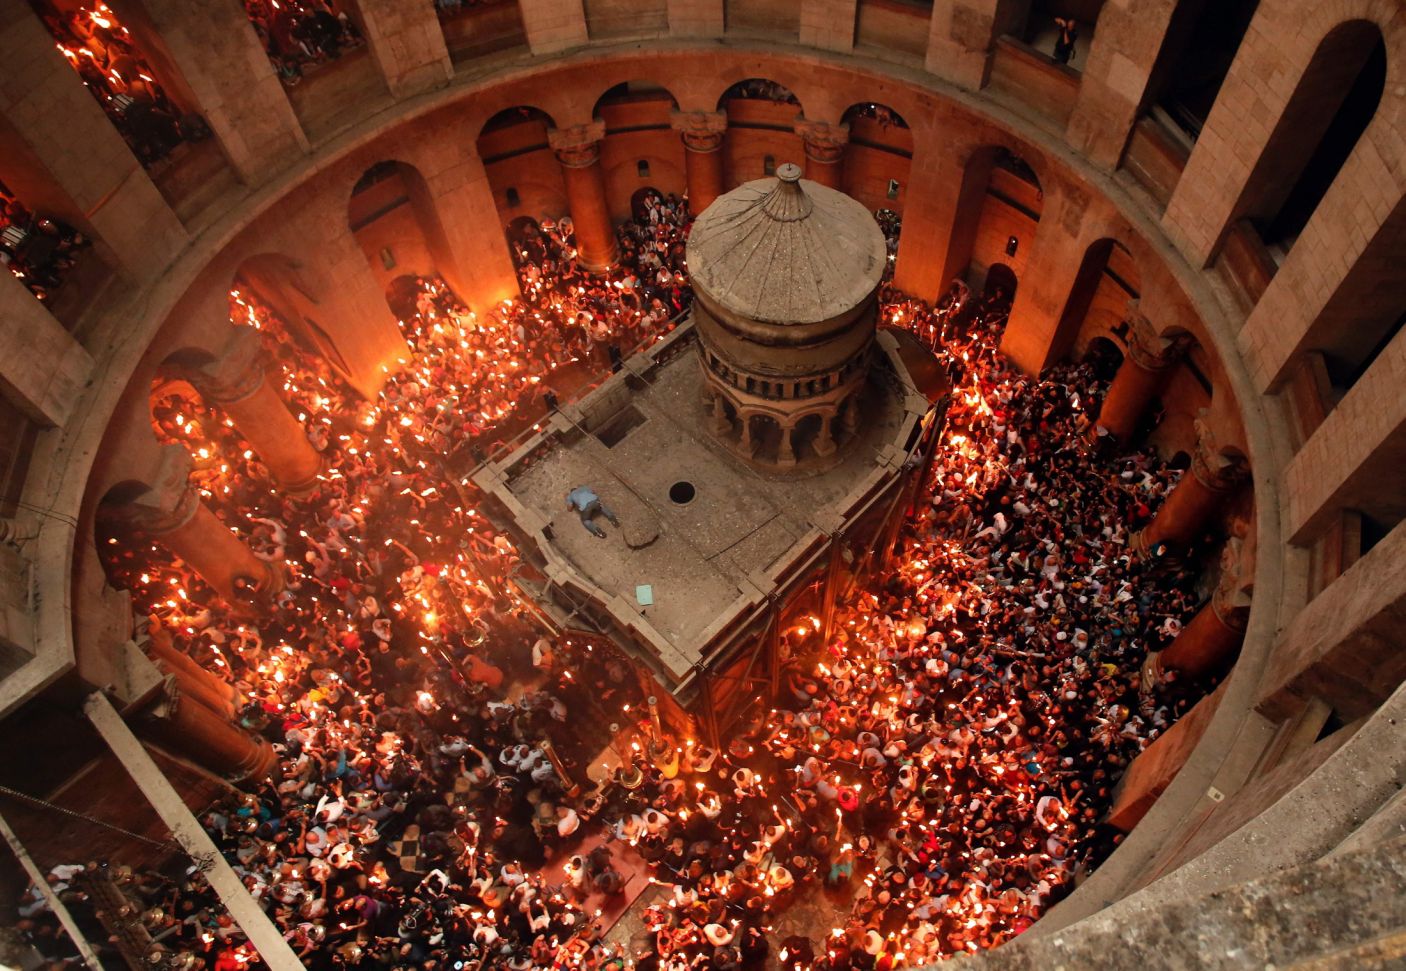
786, 251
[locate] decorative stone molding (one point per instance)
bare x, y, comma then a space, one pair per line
1212, 466
577, 147
1148, 349
701, 131
169, 502
824, 143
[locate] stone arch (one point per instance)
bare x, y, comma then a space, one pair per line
1094, 291
1104, 354
523, 172
274, 283
1270, 67
1000, 284
1314, 136
988, 166
640, 147
393, 216
633, 91
759, 89
878, 158
763, 114
881, 114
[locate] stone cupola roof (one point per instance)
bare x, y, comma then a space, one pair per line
786, 251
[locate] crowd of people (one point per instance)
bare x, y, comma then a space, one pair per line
105, 55
170, 920
933, 774
299, 34
39, 250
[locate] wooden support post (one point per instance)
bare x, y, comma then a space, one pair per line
163, 797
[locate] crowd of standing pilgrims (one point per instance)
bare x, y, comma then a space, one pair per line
935, 773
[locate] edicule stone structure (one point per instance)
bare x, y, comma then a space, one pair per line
786, 276
709, 562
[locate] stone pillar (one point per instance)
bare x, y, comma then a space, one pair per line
702, 133
747, 446
1353, 460
1115, 76
578, 150
825, 438
1044, 320
722, 425
214, 693
170, 513
825, 151
695, 18
211, 740
553, 25
1139, 378
1208, 643
829, 24
53, 122
407, 43
219, 56
1344, 646
786, 451
43, 369
1197, 498
475, 263
962, 34
237, 385
932, 212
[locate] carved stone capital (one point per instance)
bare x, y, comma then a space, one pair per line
824, 143
1216, 468
1148, 349
1236, 585
577, 147
237, 374
702, 131
169, 501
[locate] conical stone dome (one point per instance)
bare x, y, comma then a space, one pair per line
783, 251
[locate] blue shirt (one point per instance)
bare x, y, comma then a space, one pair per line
581, 498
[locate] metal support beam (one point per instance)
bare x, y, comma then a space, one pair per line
41, 881
163, 797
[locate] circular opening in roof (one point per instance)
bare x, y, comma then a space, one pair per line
682, 493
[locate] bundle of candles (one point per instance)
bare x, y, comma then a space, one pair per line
940, 763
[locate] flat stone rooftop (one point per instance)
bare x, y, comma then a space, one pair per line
632, 440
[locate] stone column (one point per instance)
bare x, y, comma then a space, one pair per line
1055, 286
825, 151
786, 450
722, 425
962, 34
695, 18
1201, 493
211, 739
238, 385
1115, 76
218, 54
1208, 643
407, 43
1139, 378
935, 208
829, 24
825, 438
43, 369
219, 696
170, 512
553, 25
578, 150
747, 446
702, 133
